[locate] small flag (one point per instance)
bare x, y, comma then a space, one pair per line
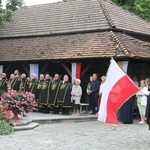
123, 65
118, 88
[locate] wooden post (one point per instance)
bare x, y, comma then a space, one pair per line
26, 69
66, 68
43, 68
84, 71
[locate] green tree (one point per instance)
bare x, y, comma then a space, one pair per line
11, 5
138, 7
142, 8
14, 4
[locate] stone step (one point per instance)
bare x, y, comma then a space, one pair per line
29, 126
34, 119
22, 122
65, 119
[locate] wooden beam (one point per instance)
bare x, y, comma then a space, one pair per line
8, 68
26, 69
66, 68
84, 71
43, 68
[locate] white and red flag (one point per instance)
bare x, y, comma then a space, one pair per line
76, 70
118, 88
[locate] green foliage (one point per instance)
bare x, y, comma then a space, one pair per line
5, 14
14, 4
138, 7
142, 8
5, 128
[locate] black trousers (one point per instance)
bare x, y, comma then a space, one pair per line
88, 100
94, 99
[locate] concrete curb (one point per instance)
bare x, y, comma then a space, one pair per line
26, 127
69, 119
36, 119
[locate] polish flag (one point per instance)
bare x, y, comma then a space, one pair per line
76, 70
118, 88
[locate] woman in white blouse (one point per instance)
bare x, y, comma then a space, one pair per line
76, 94
142, 100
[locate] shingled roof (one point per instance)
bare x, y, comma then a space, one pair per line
72, 16
76, 29
124, 20
75, 46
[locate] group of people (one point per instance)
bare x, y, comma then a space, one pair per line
55, 94
94, 92
140, 102
50, 94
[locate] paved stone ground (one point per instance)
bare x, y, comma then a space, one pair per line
79, 136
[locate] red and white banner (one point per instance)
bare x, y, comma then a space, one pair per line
118, 88
76, 70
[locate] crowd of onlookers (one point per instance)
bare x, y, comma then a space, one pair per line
55, 94
50, 94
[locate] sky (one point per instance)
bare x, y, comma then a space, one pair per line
35, 2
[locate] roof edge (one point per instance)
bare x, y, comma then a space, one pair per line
56, 34
125, 50
106, 14
78, 32
129, 31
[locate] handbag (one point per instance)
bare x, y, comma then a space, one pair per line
144, 101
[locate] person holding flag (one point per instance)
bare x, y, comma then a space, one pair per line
101, 88
118, 88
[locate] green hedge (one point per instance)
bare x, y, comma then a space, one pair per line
5, 128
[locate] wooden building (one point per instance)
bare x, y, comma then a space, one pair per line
54, 35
